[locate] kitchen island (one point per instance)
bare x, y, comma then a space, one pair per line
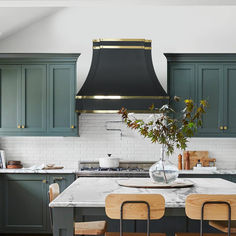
85, 200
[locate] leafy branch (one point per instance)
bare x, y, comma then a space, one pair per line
166, 130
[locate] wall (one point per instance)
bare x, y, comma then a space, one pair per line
172, 29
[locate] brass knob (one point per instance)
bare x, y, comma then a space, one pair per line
225, 127
44, 181
18, 126
221, 127
22, 126
72, 127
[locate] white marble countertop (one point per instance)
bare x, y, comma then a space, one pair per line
91, 192
218, 171
28, 171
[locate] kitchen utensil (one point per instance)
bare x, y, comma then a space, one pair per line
53, 167
14, 166
194, 156
109, 162
14, 162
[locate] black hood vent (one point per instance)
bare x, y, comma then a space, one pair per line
121, 75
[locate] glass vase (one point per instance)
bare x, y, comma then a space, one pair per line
163, 171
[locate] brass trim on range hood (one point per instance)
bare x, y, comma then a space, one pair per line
121, 47
120, 97
122, 40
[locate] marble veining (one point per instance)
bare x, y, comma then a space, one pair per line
29, 171
91, 192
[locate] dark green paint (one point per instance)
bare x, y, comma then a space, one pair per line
38, 92
24, 201
206, 76
10, 97
34, 98
61, 95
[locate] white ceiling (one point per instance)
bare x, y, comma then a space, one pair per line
17, 18
70, 3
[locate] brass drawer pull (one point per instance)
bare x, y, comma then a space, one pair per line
22, 126
221, 127
58, 179
44, 181
225, 127
72, 127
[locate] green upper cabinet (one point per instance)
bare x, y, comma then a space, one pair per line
10, 98
229, 99
34, 98
38, 94
181, 74
61, 94
210, 87
211, 77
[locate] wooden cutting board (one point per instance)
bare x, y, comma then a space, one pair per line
194, 156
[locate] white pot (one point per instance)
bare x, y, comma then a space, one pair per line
109, 162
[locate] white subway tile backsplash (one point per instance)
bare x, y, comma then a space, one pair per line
95, 142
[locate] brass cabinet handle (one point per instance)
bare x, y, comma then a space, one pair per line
57, 179
18, 126
72, 127
225, 127
22, 126
221, 127
44, 181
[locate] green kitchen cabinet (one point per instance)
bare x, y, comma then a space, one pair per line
62, 180
206, 76
24, 201
181, 74
229, 99
210, 87
34, 98
10, 98
61, 94
38, 95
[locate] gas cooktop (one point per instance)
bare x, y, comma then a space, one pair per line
126, 169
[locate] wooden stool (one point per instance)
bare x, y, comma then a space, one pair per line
80, 228
134, 207
210, 207
223, 225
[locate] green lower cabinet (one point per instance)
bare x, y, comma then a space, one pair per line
24, 201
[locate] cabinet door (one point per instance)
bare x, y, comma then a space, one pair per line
181, 83
229, 100
210, 87
25, 203
64, 181
61, 94
34, 98
10, 98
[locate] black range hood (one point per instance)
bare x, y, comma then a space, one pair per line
121, 75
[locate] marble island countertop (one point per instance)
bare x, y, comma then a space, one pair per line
114, 173
91, 192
